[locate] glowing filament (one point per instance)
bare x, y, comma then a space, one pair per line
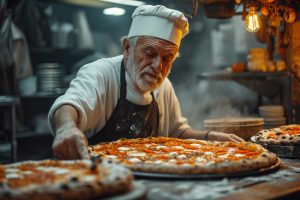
253, 21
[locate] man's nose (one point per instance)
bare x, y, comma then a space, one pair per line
157, 64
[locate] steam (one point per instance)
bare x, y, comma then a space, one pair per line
208, 99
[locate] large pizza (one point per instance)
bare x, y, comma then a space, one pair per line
53, 179
283, 135
179, 156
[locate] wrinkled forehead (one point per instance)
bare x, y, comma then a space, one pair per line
157, 43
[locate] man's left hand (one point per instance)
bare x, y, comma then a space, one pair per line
220, 136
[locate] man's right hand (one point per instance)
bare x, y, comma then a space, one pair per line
70, 143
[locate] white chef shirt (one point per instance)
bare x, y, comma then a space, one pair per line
95, 93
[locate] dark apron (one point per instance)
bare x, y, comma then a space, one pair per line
129, 120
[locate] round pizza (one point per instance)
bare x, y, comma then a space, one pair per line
54, 179
179, 156
283, 135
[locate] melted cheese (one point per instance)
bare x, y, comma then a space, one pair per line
200, 159
134, 160
178, 147
136, 153
123, 149
196, 145
208, 153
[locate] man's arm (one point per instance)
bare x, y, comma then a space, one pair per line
69, 142
209, 135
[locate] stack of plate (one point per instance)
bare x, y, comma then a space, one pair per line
50, 77
273, 115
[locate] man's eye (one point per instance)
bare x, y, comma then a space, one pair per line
150, 53
168, 59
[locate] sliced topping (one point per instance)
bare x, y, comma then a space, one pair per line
158, 161
61, 171
231, 150
223, 156
200, 159
208, 153
89, 178
182, 156
173, 153
174, 161
238, 155
12, 170
111, 156
160, 147
136, 153
124, 149
178, 147
134, 160
196, 145
13, 176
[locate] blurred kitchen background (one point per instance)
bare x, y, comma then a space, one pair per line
223, 69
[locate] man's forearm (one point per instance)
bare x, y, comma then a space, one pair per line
65, 116
193, 134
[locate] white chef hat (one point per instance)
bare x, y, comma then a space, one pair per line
159, 21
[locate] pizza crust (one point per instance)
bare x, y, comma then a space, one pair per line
108, 179
279, 136
186, 156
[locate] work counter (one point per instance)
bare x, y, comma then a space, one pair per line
283, 183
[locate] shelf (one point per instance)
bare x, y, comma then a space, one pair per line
224, 75
268, 84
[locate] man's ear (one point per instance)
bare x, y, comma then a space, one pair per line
125, 48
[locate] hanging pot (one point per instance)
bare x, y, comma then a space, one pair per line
220, 9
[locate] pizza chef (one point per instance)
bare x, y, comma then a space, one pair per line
127, 96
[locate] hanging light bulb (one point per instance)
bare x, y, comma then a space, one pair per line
238, 1
253, 21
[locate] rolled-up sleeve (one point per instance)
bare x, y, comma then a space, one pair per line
86, 93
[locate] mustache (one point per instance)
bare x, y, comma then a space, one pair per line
153, 73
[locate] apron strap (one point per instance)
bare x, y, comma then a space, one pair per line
123, 82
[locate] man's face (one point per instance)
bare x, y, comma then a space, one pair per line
150, 62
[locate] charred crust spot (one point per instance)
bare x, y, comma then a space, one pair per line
64, 187
264, 155
257, 163
283, 137
298, 135
89, 186
100, 183
74, 179
109, 161
96, 159
118, 178
244, 161
278, 133
291, 138
93, 167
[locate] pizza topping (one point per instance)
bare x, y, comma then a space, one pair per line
208, 153
124, 149
136, 154
196, 145
239, 155
178, 147
134, 160
160, 146
169, 153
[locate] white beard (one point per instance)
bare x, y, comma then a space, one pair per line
145, 80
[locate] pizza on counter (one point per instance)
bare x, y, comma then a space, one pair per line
179, 156
283, 135
54, 179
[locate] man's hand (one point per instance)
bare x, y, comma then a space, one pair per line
70, 143
220, 136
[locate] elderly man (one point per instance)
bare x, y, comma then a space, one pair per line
127, 96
